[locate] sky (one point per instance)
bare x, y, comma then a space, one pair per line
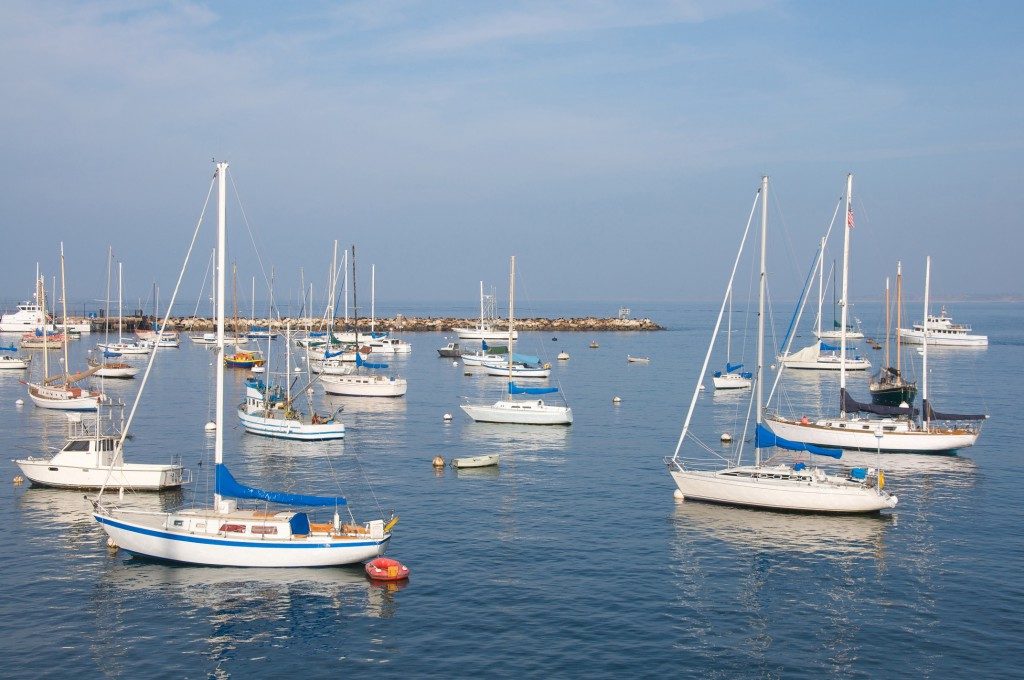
613, 147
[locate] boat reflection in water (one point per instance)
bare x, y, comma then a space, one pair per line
521, 441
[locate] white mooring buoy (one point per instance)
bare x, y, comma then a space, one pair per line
446, 417
616, 400
726, 437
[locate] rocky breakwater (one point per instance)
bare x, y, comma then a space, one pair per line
434, 323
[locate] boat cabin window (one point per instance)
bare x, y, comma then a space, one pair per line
263, 529
889, 428
179, 522
233, 528
77, 445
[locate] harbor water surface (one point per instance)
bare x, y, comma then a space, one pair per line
572, 559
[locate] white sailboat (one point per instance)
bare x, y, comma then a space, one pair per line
485, 330
896, 431
123, 345
92, 459
730, 379
518, 411
269, 411
363, 383
105, 368
773, 487
820, 355
12, 361
59, 391
225, 534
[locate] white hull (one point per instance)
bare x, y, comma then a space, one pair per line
837, 335
826, 363
146, 535
859, 434
519, 412
485, 333
58, 398
14, 362
125, 347
123, 372
283, 428
211, 339
501, 370
79, 328
136, 476
730, 381
476, 461
360, 385
479, 359
780, 488
916, 337
390, 346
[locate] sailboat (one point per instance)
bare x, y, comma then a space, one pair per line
890, 387
270, 411
519, 411
382, 343
94, 458
362, 383
59, 391
260, 332
730, 379
896, 431
485, 330
225, 534
820, 355
10, 360
834, 334
242, 358
123, 344
104, 367
796, 487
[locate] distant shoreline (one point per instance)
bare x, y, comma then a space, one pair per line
429, 323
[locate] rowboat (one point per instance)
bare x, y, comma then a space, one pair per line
476, 461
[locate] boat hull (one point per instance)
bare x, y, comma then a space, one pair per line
859, 434
826, 363
484, 334
135, 476
892, 396
519, 413
150, 539
364, 385
916, 337
14, 363
476, 461
501, 371
282, 428
57, 399
730, 381
804, 495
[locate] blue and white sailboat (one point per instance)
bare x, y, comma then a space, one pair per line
519, 411
796, 487
228, 535
10, 359
731, 378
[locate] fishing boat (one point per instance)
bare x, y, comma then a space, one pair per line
486, 460
450, 351
94, 458
897, 430
787, 487
11, 361
226, 534
60, 391
637, 360
518, 411
244, 358
485, 329
942, 331
270, 411
363, 382
890, 387
27, 317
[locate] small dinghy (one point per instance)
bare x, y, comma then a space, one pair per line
637, 360
386, 569
476, 461
593, 344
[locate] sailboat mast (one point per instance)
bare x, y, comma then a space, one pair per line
888, 323
120, 297
843, 301
760, 309
355, 304
481, 307
234, 299
252, 315
287, 364
64, 306
899, 305
218, 449
41, 295
344, 284
333, 297
728, 336
373, 298
924, 341
106, 304
821, 282
511, 315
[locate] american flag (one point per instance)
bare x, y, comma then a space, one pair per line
849, 217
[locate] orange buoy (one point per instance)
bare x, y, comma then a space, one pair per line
386, 569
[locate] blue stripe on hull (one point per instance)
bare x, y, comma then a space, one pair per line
234, 544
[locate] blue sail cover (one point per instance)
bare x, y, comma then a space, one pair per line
316, 334
932, 414
228, 486
516, 389
259, 329
825, 347
12, 348
330, 355
483, 345
766, 438
110, 355
729, 368
360, 362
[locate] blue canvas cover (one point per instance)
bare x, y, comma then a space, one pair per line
516, 389
227, 486
360, 362
766, 438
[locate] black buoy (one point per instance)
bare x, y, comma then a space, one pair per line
554, 339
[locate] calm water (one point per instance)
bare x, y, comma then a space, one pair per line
573, 559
